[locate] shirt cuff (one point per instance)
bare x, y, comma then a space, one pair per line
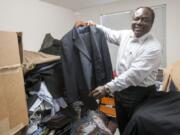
112, 87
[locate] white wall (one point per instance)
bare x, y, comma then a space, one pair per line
172, 20
35, 18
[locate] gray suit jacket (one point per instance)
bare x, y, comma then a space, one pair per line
86, 63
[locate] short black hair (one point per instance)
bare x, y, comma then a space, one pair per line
151, 10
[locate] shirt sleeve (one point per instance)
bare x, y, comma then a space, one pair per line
112, 36
141, 68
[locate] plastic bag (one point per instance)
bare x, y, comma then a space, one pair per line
92, 124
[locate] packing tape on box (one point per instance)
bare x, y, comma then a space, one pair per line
10, 69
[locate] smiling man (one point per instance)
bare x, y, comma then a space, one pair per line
143, 20
138, 60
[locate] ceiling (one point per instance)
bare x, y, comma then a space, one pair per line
79, 4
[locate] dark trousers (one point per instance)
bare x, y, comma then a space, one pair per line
128, 100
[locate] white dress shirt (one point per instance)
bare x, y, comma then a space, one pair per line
138, 59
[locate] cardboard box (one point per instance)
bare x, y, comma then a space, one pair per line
13, 111
34, 58
171, 74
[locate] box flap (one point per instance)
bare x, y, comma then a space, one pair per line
31, 57
19, 36
9, 49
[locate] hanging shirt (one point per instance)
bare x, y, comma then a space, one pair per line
138, 59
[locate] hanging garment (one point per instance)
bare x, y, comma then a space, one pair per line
86, 63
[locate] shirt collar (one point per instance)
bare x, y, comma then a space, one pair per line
140, 39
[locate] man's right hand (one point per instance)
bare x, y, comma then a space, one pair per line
82, 23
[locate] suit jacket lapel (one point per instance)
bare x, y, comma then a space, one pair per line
79, 44
95, 45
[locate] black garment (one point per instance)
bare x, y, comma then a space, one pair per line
159, 115
52, 77
48, 41
54, 49
86, 63
60, 119
127, 100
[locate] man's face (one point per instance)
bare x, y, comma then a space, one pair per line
142, 22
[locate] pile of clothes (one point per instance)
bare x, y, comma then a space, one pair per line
48, 110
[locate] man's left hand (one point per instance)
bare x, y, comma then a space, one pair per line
99, 92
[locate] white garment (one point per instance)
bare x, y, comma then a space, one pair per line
138, 59
44, 95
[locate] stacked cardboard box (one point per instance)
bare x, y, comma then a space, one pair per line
13, 109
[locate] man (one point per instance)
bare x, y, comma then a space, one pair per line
137, 63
